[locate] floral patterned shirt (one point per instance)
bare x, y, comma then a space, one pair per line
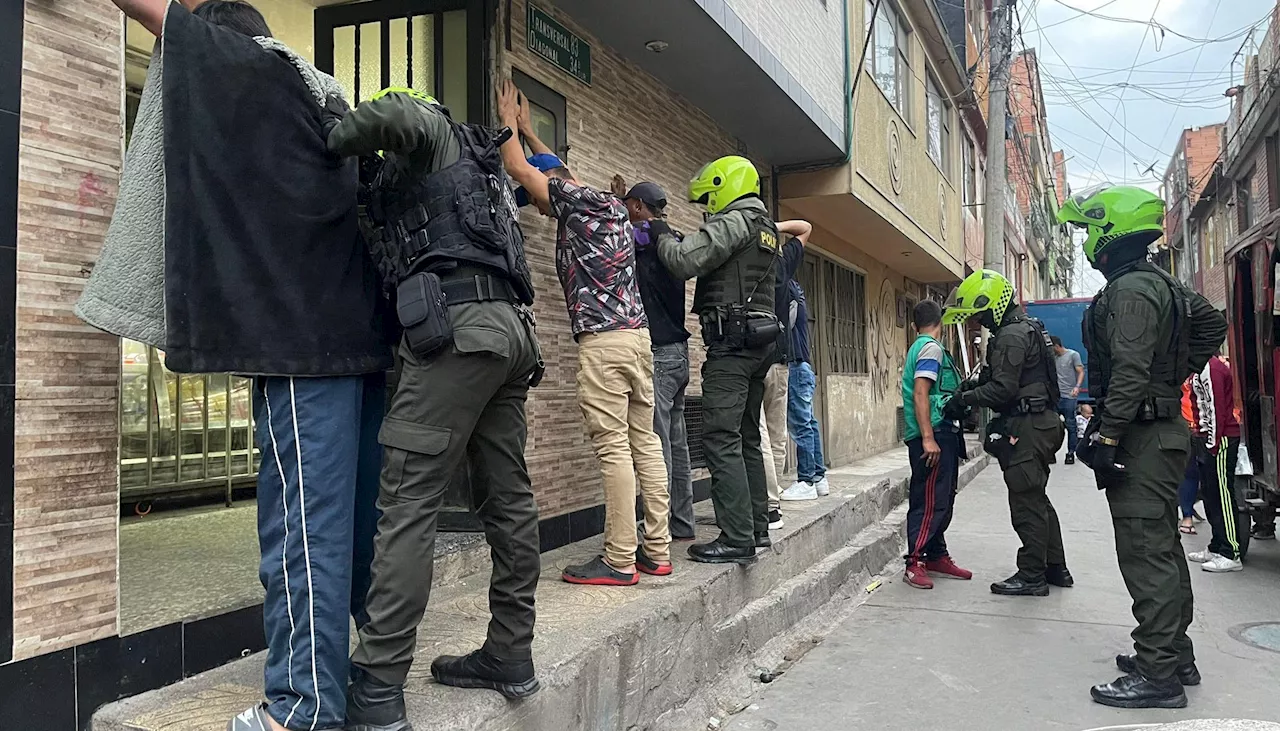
595, 259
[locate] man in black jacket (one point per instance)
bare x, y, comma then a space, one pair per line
663, 296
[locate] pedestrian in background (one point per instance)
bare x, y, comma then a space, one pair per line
596, 264
776, 387
811, 468
934, 446
1217, 446
663, 296
1189, 489
1070, 378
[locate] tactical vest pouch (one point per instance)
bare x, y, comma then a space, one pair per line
762, 330
424, 314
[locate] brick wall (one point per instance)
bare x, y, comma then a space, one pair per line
67, 374
614, 127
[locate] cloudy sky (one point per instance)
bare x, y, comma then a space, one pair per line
1120, 93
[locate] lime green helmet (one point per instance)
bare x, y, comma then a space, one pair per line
1112, 212
981, 291
721, 182
420, 96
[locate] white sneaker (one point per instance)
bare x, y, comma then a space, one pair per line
1204, 556
823, 487
800, 490
1222, 564
775, 519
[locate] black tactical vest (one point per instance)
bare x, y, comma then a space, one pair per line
462, 214
1039, 376
750, 276
1170, 364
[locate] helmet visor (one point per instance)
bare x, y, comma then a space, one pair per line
957, 310
1073, 210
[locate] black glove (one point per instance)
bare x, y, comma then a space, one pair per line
954, 409
1105, 470
332, 113
658, 227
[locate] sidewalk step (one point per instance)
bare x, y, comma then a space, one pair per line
609, 658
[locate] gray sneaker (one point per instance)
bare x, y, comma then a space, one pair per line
253, 719
256, 719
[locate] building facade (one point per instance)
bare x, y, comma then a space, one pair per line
888, 219
1189, 171
966, 23
103, 441
1043, 269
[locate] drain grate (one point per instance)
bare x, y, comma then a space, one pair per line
1262, 635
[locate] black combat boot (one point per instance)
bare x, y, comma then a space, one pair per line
512, 678
763, 540
1016, 585
373, 705
718, 551
1187, 674
1138, 691
1058, 575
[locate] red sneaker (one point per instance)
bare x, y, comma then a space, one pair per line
917, 576
947, 567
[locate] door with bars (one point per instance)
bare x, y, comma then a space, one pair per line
433, 46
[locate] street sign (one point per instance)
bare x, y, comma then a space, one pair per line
554, 42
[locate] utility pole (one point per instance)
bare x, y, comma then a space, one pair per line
996, 174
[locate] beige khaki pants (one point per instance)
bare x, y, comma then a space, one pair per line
773, 431
615, 392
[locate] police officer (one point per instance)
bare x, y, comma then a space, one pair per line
446, 237
1021, 385
734, 256
1145, 333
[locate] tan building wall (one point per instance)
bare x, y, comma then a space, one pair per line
893, 173
67, 373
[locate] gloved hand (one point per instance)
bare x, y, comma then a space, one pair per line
332, 113
658, 227
954, 409
1105, 470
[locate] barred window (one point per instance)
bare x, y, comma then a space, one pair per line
844, 304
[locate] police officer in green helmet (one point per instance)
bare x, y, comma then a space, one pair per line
1021, 385
734, 256
1145, 333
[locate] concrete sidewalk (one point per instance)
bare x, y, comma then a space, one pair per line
959, 658
666, 654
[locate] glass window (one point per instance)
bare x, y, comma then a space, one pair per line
938, 115
888, 60
970, 191
548, 111
1244, 201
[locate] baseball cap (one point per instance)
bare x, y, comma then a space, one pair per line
543, 161
648, 193
546, 161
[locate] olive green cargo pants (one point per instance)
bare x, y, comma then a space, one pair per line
463, 403
732, 393
1026, 474
1144, 514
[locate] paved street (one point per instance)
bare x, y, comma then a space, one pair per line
958, 658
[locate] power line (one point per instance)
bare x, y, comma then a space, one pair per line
1216, 7
1152, 24
1136, 56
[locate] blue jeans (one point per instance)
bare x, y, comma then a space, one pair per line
317, 514
801, 383
1067, 407
1189, 490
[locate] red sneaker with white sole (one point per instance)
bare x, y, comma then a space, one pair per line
947, 567
918, 577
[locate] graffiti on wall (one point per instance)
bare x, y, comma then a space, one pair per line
884, 357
